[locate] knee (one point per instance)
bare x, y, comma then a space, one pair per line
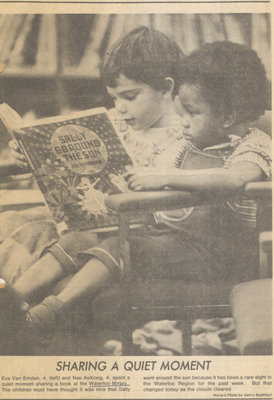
76, 242
9, 222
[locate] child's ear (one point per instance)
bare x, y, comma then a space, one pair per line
230, 119
168, 86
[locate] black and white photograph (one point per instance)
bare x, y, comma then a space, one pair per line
135, 185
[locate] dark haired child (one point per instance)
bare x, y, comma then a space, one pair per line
140, 74
223, 90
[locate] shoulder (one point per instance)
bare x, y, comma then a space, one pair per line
255, 147
258, 136
257, 141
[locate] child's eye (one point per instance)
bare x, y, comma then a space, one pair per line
130, 97
190, 112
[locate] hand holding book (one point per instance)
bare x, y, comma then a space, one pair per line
77, 161
17, 155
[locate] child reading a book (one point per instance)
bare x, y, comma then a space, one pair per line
223, 89
140, 74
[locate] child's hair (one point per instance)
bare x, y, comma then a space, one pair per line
232, 79
143, 55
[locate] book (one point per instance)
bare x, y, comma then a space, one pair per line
11, 175
77, 160
9, 121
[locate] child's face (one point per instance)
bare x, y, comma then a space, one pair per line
201, 125
139, 104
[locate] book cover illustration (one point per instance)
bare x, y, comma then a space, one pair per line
77, 161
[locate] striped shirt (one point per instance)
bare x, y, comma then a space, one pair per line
255, 148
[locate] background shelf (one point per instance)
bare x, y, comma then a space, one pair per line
51, 61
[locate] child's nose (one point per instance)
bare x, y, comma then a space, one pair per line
121, 106
186, 121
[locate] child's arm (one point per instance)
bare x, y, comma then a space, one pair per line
221, 180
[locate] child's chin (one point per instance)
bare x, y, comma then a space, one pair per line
140, 126
137, 127
133, 124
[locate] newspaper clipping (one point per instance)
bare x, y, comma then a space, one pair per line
135, 200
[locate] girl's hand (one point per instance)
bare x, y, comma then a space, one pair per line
139, 179
16, 155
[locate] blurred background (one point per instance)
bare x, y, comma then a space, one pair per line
51, 62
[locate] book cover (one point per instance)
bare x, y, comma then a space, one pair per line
77, 161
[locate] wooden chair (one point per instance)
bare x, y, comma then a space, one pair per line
155, 299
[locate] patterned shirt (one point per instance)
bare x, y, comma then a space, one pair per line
255, 148
155, 146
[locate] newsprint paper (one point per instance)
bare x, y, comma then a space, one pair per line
167, 308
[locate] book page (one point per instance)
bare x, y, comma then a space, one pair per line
146, 313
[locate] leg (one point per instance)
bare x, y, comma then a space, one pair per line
101, 265
53, 310
93, 276
42, 273
59, 261
98, 271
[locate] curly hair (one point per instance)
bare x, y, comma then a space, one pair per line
231, 77
144, 55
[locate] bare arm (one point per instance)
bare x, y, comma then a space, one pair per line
214, 180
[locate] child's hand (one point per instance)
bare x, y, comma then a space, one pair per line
139, 179
16, 155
